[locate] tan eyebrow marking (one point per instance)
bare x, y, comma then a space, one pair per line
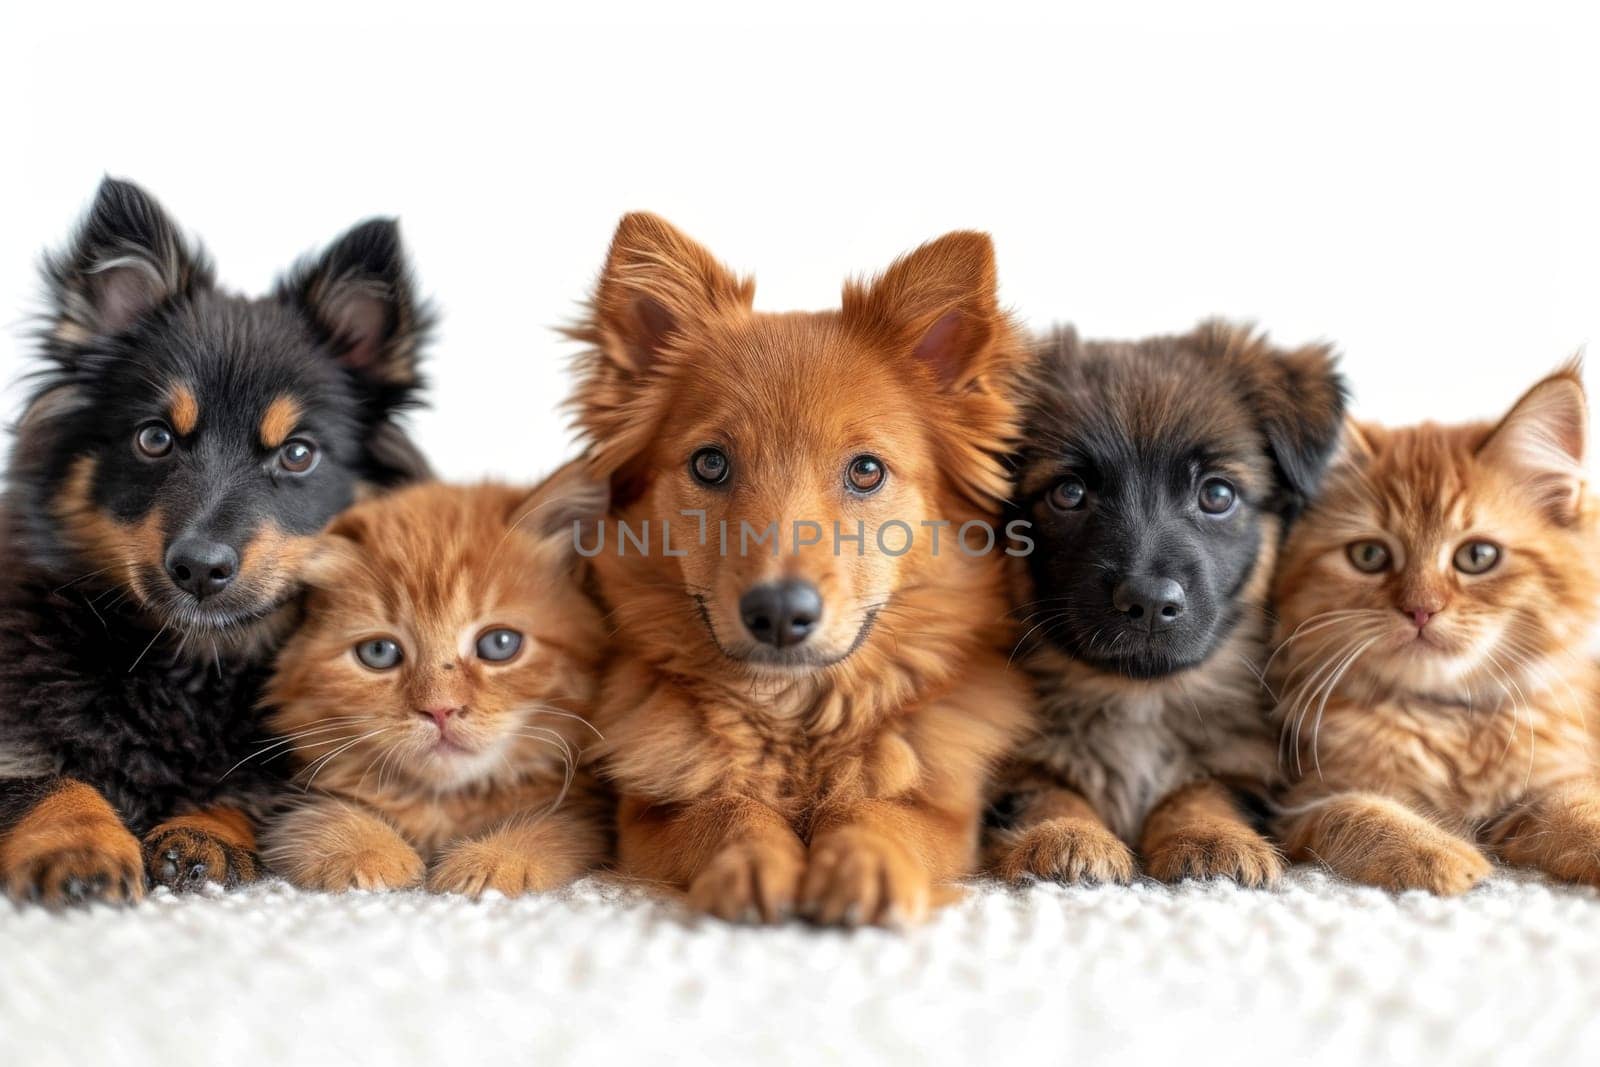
183, 408
282, 416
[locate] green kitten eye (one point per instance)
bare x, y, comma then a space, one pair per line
1368, 557
499, 645
380, 653
1475, 557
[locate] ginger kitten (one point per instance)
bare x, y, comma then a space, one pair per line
1434, 670
437, 697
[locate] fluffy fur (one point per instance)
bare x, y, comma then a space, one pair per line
1434, 690
450, 765
155, 525
1147, 728
841, 777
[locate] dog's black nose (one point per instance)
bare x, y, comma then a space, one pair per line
781, 613
201, 568
1153, 603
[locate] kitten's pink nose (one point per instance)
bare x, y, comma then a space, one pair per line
439, 715
1420, 616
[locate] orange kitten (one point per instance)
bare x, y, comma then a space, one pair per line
1436, 607
437, 696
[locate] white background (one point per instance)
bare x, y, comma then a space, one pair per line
1421, 190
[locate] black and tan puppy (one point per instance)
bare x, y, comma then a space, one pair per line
1159, 477
181, 447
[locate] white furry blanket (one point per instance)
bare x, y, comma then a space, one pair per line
1319, 971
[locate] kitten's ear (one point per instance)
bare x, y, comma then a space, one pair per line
1543, 440
567, 506
336, 554
127, 259
360, 296
1356, 444
657, 283
939, 305
1298, 397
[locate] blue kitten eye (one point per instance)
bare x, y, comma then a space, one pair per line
1475, 557
380, 653
499, 645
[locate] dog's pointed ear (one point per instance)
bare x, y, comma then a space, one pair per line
1298, 397
360, 296
939, 305
1543, 439
564, 509
656, 282
127, 259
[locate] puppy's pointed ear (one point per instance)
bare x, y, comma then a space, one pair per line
1543, 440
656, 283
1298, 398
566, 507
360, 296
939, 306
127, 259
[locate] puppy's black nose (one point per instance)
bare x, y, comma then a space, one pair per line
781, 613
200, 567
1152, 603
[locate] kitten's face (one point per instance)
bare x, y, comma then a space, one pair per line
1445, 561
446, 642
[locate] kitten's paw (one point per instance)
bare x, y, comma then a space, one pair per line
1064, 850
855, 876
104, 867
1441, 863
184, 858
472, 868
394, 866
1224, 850
1560, 836
749, 882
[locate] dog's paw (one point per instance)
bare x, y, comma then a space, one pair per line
856, 877
82, 869
472, 868
1225, 850
184, 858
393, 866
1064, 850
749, 882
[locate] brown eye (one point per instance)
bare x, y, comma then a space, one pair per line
1368, 557
865, 475
153, 439
1217, 496
1475, 557
1069, 494
709, 466
297, 456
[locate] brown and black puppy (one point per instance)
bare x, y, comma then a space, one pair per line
1158, 476
181, 449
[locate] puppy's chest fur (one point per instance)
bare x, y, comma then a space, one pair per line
1125, 744
112, 703
798, 753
